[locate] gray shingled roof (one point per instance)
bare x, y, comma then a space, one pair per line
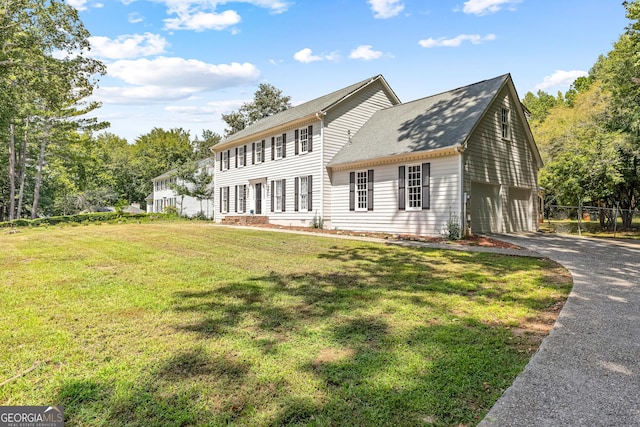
431, 123
316, 105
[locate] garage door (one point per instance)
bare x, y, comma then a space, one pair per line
519, 218
484, 207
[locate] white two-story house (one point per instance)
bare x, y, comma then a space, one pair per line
165, 194
358, 159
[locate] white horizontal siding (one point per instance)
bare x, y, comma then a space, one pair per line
385, 216
287, 168
347, 117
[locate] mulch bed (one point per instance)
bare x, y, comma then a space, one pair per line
469, 241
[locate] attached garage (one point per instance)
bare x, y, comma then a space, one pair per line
519, 212
485, 208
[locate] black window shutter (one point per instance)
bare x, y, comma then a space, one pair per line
228, 159
310, 192
236, 200
221, 207
352, 191
253, 153
284, 196
264, 154
370, 190
273, 148
296, 137
236, 157
221, 161
401, 189
284, 145
426, 175
296, 187
244, 156
273, 188
310, 139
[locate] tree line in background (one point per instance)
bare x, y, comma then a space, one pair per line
52, 160
589, 137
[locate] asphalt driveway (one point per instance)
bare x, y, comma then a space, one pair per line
587, 371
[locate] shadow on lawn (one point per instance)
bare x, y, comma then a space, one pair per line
435, 373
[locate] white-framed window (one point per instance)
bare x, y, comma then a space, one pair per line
304, 139
242, 198
224, 199
505, 123
258, 153
361, 190
303, 194
279, 191
225, 160
241, 156
414, 186
279, 147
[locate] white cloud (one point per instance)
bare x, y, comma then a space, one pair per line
200, 15
383, 9
135, 18
456, 41
128, 46
560, 78
306, 56
163, 79
365, 52
200, 21
485, 7
189, 113
276, 6
78, 4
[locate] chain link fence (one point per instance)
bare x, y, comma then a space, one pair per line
593, 219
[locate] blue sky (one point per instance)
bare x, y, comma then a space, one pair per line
182, 63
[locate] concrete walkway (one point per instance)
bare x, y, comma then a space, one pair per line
587, 371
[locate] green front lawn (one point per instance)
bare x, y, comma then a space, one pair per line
188, 323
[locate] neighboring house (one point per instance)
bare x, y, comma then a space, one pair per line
360, 160
164, 195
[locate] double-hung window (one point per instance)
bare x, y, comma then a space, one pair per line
279, 147
241, 156
225, 160
414, 187
241, 198
304, 193
361, 190
278, 201
258, 154
505, 125
224, 199
304, 140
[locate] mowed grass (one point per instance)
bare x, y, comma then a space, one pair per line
194, 324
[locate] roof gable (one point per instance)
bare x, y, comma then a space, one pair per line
435, 122
309, 108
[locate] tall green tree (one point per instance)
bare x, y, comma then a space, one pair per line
44, 76
619, 72
202, 144
267, 101
157, 152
